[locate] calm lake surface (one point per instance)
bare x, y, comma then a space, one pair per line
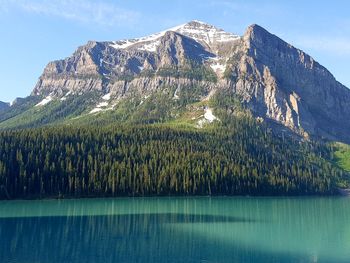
204, 229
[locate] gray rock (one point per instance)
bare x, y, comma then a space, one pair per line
284, 84
4, 105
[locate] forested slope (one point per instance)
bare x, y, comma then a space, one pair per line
239, 158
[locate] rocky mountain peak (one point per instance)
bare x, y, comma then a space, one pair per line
256, 29
201, 32
256, 36
205, 33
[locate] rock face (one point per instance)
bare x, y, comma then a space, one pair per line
4, 105
286, 85
278, 82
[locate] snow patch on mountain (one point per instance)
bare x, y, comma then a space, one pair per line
107, 96
95, 110
101, 109
105, 62
102, 104
66, 95
208, 118
218, 64
44, 101
218, 67
123, 44
176, 96
151, 47
202, 32
197, 30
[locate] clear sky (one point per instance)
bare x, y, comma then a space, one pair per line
34, 32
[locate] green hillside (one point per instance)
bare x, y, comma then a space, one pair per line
236, 157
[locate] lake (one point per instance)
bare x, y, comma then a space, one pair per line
203, 229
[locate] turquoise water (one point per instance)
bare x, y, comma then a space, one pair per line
182, 230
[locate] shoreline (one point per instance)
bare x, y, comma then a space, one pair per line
344, 192
340, 193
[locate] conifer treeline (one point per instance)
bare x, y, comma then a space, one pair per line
157, 160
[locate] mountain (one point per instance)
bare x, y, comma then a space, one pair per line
174, 75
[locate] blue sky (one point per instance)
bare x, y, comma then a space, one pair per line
34, 32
